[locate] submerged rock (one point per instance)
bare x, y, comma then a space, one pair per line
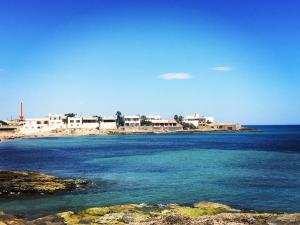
23, 182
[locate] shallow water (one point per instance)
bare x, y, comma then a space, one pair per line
250, 170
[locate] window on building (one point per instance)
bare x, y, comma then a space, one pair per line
108, 121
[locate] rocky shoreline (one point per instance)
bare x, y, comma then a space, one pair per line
14, 183
93, 132
203, 213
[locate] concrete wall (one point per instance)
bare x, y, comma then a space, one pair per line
90, 125
108, 125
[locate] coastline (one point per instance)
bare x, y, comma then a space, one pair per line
6, 136
201, 213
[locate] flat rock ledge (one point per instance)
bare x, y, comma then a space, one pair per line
14, 183
203, 213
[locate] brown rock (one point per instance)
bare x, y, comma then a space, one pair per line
21, 182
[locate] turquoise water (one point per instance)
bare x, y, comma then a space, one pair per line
251, 170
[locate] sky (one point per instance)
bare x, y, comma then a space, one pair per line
238, 61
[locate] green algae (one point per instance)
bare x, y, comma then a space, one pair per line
123, 214
188, 211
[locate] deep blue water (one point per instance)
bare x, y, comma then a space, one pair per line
251, 170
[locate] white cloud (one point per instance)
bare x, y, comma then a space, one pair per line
175, 76
221, 68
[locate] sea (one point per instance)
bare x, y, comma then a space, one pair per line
253, 171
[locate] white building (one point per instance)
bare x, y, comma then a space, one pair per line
226, 126
74, 122
108, 123
198, 120
90, 122
165, 123
37, 125
56, 121
153, 117
132, 121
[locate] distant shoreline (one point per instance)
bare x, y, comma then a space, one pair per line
93, 132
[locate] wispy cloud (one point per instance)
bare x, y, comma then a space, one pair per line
221, 68
175, 76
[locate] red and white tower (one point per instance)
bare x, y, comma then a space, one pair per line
21, 113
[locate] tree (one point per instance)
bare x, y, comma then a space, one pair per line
70, 115
178, 119
145, 122
99, 118
3, 123
120, 119
188, 126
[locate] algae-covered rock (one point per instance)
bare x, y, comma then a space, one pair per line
212, 205
118, 214
20, 182
198, 209
203, 213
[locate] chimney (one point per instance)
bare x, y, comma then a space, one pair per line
21, 113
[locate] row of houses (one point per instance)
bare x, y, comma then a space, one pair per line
58, 121
208, 123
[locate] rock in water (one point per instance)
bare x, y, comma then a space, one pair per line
23, 182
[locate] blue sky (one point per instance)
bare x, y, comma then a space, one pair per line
235, 60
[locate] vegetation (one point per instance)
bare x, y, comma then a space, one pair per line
194, 212
185, 126
178, 119
145, 122
3, 123
67, 116
120, 119
143, 214
99, 118
188, 126
70, 115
